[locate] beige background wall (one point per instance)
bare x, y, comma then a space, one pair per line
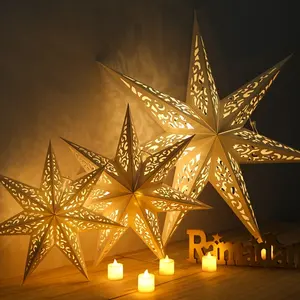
51, 86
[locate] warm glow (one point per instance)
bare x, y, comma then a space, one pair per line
209, 263
228, 141
133, 174
115, 271
146, 282
166, 266
264, 253
57, 195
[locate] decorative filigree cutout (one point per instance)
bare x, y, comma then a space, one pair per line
256, 154
207, 116
236, 100
122, 156
159, 164
145, 196
198, 90
201, 180
163, 142
246, 112
212, 86
262, 140
169, 193
141, 229
90, 160
240, 179
165, 206
53, 214
188, 173
163, 113
230, 184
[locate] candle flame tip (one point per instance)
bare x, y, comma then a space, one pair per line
208, 254
115, 261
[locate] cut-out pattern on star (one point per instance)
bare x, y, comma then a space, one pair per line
221, 142
53, 214
132, 191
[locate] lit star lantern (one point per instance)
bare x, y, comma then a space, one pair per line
221, 141
132, 191
53, 214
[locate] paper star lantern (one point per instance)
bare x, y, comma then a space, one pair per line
53, 214
132, 192
221, 142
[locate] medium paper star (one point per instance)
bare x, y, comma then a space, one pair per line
221, 141
132, 192
53, 214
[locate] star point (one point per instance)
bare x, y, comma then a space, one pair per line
135, 192
221, 141
53, 214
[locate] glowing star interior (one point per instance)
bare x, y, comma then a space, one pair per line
131, 191
53, 214
221, 141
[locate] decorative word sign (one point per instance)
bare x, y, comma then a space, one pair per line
269, 253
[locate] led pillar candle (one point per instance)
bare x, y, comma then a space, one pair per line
115, 271
166, 266
209, 263
146, 282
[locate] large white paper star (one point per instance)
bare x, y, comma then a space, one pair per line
221, 141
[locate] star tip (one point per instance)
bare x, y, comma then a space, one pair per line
100, 63
189, 138
128, 113
65, 140
24, 279
259, 239
95, 264
107, 68
196, 18
50, 148
282, 62
99, 170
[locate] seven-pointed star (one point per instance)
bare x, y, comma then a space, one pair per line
53, 214
221, 142
131, 192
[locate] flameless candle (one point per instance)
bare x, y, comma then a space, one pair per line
115, 271
209, 263
146, 282
166, 266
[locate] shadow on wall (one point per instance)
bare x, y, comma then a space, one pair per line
51, 86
